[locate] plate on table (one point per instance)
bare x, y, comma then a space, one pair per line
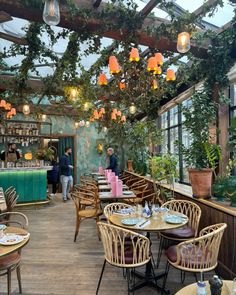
11, 239
127, 193
174, 219
130, 221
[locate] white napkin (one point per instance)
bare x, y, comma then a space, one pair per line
141, 225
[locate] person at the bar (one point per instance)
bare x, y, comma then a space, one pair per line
113, 161
11, 155
66, 173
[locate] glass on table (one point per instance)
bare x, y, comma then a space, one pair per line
139, 210
155, 211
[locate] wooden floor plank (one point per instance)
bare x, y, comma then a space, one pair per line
52, 264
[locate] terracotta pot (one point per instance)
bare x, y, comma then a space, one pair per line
201, 181
130, 165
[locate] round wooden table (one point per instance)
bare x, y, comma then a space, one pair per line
192, 289
155, 223
5, 250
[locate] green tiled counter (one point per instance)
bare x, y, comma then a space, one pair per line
30, 183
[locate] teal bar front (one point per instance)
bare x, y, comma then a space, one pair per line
30, 184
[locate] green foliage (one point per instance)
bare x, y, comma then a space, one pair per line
46, 154
198, 118
213, 154
163, 167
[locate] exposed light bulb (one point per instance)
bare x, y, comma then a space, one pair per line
87, 123
104, 129
76, 125
73, 94
132, 109
26, 109
51, 12
183, 42
81, 123
43, 117
86, 106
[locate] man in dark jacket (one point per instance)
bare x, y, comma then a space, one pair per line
66, 173
113, 161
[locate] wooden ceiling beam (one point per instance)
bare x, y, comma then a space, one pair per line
204, 6
16, 9
149, 7
13, 39
4, 17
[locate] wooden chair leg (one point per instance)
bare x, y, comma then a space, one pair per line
100, 279
9, 281
182, 276
19, 278
77, 228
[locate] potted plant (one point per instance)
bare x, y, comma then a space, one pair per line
164, 168
44, 154
198, 118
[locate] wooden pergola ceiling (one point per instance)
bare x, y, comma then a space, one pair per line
16, 9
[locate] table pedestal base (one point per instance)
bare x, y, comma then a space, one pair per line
147, 279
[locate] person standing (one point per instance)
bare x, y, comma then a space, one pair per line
53, 177
113, 161
66, 173
12, 154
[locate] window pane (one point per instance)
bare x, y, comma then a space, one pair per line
164, 120
173, 137
174, 116
233, 94
164, 144
187, 103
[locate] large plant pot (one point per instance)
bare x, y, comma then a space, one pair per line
201, 181
130, 165
231, 189
219, 191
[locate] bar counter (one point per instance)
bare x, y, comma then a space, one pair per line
30, 182
213, 212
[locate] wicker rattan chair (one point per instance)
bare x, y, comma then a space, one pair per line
113, 207
11, 198
189, 231
197, 255
12, 261
91, 210
119, 253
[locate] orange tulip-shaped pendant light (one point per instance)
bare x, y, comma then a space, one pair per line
102, 111
134, 55
158, 71
95, 115
113, 116
102, 80
159, 58
114, 111
8, 107
118, 113
152, 64
154, 84
122, 85
170, 75
114, 65
183, 42
2, 103
123, 119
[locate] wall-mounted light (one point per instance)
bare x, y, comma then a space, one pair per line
43, 117
26, 109
76, 125
51, 12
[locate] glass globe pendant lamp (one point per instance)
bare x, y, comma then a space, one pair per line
132, 109
51, 12
183, 42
